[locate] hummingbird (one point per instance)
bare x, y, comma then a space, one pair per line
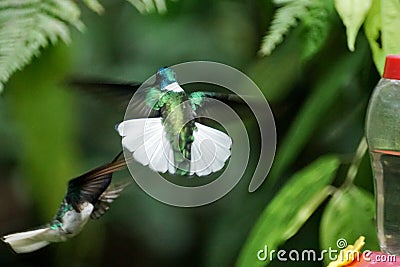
166, 131
88, 197
171, 137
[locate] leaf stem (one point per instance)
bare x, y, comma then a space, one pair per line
355, 164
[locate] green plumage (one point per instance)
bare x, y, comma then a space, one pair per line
57, 221
178, 120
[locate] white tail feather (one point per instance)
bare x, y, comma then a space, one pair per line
26, 242
147, 141
210, 150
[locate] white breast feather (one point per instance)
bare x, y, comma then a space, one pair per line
73, 222
174, 87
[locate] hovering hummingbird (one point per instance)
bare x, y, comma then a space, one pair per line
166, 133
171, 138
88, 196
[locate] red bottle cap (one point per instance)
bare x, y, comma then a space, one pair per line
392, 67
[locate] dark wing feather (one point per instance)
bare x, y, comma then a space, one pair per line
89, 186
205, 105
108, 196
203, 101
117, 94
120, 95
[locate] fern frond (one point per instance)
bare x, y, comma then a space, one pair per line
28, 25
285, 18
94, 5
149, 6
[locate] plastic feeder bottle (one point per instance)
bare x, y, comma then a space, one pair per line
383, 137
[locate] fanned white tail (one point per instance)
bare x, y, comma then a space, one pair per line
210, 150
147, 141
28, 241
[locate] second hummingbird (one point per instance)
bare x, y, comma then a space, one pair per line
88, 196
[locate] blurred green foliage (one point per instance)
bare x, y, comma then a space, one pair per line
294, 204
317, 89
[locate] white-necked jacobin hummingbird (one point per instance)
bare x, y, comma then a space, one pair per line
88, 196
166, 133
171, 138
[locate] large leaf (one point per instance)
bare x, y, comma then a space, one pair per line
290, 209
348, 215
313, 111
382, 29
352, 13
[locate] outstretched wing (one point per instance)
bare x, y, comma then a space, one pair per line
120, 95
203, 104
89, 186
108, 196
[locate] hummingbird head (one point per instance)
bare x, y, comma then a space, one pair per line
165, 76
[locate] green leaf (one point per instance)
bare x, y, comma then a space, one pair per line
313, 111
285, 18
348, 215
353, 14
29, 25
290, 209
316, 26
382, 30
